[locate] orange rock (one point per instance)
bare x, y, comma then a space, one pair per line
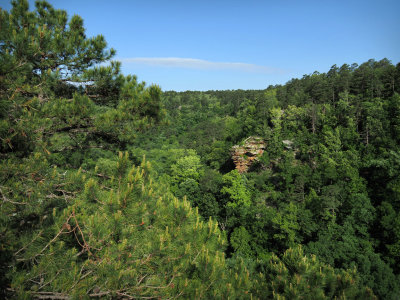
245, 155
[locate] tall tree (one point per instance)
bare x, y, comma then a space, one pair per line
40, 52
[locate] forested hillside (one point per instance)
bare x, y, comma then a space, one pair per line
110, 188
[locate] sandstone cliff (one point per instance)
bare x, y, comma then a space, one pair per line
246, 154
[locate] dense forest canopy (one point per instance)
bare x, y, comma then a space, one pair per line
111, 188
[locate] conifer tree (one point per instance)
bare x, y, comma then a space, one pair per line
40, 46
123, 236
41, 51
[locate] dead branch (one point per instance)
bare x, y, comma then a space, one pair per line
85, 245
65, 225
5, 199
50, 295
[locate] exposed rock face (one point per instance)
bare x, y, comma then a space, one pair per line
245, 155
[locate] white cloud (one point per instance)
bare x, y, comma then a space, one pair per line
198, 64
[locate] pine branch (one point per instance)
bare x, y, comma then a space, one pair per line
81, 278
26, 246
50, 295
85, 246
50, 281
121, 294
5, 199
96, 174
65, 226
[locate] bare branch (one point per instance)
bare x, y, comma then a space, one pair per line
5, 199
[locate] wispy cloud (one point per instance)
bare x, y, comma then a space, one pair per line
199, 64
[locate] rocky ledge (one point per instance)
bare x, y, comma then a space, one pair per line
246, 154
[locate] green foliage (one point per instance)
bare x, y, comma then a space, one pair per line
41, 46
187, 167
116, 239
239, 240
79, 221
234, 187
40, 52
331, 160
107, 82
297, 276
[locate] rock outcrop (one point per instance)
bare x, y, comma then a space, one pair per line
245, 155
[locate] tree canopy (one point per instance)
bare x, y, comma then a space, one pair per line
113, 189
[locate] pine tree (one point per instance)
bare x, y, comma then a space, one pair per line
123, 236
40, 53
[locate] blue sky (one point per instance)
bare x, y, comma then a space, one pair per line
205, 45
